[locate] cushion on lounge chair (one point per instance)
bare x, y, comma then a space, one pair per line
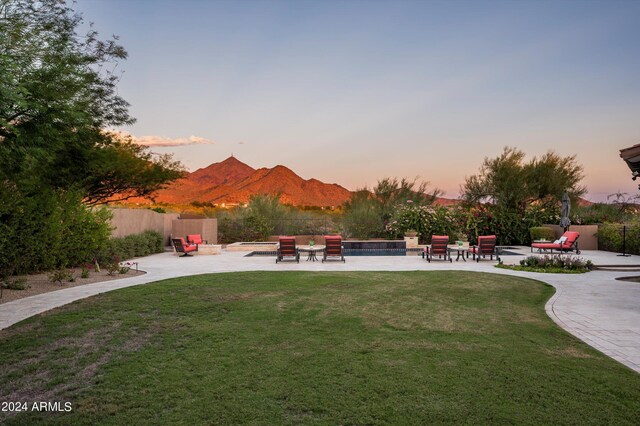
195, 239
333, 247
568, 241
182, 247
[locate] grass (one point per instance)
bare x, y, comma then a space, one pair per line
314, 348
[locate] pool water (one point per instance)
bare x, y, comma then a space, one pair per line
358, 252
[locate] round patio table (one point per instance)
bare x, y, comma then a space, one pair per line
460, 250
311, 251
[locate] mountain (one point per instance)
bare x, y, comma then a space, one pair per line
232, 182
446, 202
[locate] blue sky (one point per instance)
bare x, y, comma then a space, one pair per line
353, 91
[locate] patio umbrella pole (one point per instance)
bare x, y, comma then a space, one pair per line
624, 242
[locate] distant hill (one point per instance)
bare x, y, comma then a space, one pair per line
233, 182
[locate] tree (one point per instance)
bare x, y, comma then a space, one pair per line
367, 212
510, 183
57, 95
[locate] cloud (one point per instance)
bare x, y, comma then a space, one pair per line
151, 140
160, 141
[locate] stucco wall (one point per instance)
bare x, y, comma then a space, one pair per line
208, 228
135, 221
588, 238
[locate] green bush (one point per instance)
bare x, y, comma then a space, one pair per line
137, 245
47, 230
425, 220
610, 237
542, 233
509, 226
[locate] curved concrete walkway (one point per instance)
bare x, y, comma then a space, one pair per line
603, 312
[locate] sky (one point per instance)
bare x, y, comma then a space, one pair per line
350, 92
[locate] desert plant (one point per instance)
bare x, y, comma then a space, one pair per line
61, 274
84, 272
15, 284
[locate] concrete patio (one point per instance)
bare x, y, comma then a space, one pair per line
595, 307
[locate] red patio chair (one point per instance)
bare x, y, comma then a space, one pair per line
182, 247
333, 247
486, 247
438, 248
566, 243
287, 248
196, 239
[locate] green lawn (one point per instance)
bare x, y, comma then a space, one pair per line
314, 348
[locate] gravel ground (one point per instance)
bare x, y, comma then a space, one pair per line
39, 283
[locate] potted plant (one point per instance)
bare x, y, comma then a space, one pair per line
411, 233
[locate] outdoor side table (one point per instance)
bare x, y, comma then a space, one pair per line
312, 251
461, 251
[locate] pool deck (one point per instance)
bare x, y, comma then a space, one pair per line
595, 307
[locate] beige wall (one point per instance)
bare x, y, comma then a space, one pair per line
208, 228
135, 221
588, 239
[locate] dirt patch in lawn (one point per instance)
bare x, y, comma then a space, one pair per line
40, 283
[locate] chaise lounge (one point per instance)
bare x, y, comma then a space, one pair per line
567, 242
287, 249
486, 247
333, 248
438, 248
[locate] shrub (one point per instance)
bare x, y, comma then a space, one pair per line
60, 275
137, 245
610, 237
16, 284
509, 226
542, 233
555, 263
84, 272
425, 220
46, 230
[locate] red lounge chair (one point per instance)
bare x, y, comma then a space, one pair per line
567, 242
287, 248
438, 248
333, 247
486, 247
196, 239
181, 247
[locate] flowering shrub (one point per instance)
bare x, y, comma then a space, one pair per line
557, 261
425, 220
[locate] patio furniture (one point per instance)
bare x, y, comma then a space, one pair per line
311, 251
438, 247
181, 246
287, 249
567, 242
196, 239
333, 248
486, 247
460, 249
